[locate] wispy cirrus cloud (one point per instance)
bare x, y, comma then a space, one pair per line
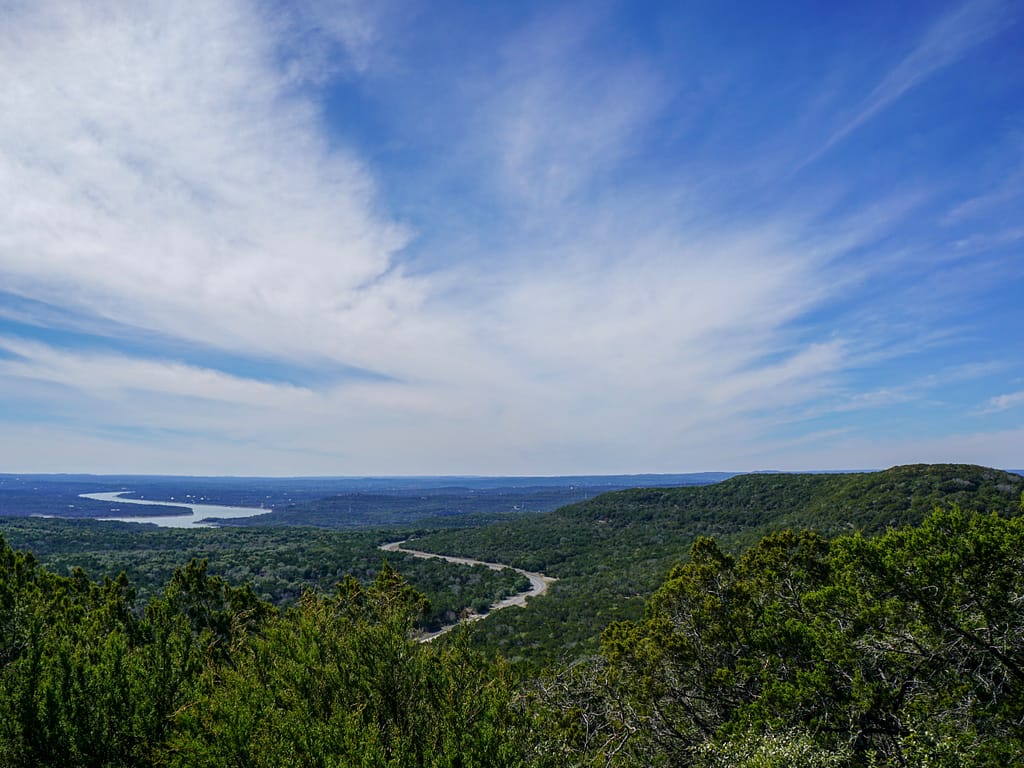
953, 35
557, 116
1001, 403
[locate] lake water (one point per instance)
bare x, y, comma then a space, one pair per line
197, 513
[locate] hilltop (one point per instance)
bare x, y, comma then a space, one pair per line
612, 551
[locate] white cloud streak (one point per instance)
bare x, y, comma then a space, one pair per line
950, 38
118, 376
1002, 403
557, 117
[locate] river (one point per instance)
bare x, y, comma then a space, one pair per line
539, 584
197, 515
200, 515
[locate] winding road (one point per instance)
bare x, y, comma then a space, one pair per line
539, 584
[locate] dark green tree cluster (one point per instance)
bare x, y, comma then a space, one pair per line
278, 563
904, 649
209, 675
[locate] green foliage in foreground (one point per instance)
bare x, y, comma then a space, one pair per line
905, 649
337, 682
212, 676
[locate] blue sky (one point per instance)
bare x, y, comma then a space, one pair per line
510, 238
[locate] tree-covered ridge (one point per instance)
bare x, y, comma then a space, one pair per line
611, 552
562, 541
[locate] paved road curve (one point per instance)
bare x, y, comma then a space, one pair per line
539, 583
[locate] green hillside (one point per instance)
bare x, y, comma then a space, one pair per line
873, 649
611, 552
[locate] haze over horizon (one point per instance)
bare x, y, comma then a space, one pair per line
448, 238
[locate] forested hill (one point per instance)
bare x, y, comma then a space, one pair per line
865, 501
612, 551
745, 505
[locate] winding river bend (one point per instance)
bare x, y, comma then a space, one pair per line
206, 515
539, 583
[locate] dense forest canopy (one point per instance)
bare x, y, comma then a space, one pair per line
610, 553
902, 649
858, 620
